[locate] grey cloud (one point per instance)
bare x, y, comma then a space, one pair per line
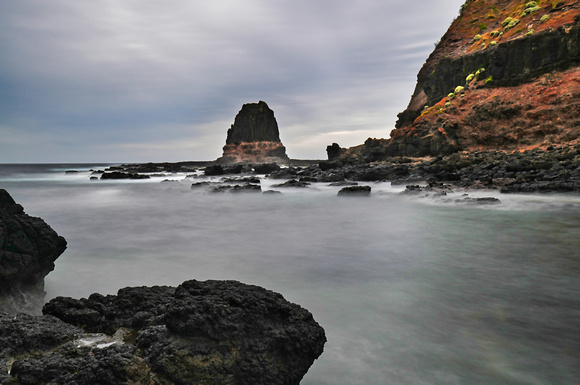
138, 72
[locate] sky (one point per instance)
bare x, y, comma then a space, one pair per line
155, 81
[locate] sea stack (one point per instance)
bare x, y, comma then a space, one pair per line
254, 137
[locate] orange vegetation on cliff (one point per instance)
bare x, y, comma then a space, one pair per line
505, 75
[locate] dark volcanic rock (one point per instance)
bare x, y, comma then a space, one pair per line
355, 191
258, 331
254, 123
214, 170
214, 332
333, 151
266, 168
122, 175
254, 137
132, 307
28, 249
293, 183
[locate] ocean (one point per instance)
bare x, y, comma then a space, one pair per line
410, 289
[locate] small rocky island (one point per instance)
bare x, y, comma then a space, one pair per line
254, 137
210, 332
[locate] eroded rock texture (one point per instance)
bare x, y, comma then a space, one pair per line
28, 249
211, 332
254, 137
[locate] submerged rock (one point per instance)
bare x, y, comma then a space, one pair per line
28, 249
355, 191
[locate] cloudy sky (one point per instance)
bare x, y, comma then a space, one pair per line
139, 81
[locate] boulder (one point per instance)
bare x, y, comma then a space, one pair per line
28, 249
214, 332
355, 191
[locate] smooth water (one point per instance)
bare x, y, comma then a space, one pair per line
409, 290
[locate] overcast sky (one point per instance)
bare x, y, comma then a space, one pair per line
139, 81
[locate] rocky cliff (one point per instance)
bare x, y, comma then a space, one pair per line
28, 249
254, 137
504, 76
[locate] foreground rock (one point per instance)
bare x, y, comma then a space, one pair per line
212, 332
28, 249
254, 137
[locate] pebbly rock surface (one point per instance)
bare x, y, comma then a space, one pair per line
28, 249
211, 332
254, 137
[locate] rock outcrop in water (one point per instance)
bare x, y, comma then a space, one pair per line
28, 249
212, 332
254, 137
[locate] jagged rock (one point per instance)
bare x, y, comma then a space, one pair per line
254, 137
333, 151
218, 332
28, 249
132, 307
293, 183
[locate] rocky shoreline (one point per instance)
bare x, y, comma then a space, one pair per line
540, 170
211, 332
200, 332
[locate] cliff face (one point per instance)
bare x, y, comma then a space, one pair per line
505, 75
254, 137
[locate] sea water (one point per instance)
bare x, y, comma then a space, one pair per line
410, 289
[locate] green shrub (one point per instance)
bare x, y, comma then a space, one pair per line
527, 11
511, 24
531, 4
544, 18
447, 104
506, 21
481, 27
469, 78
477, 37
530, 32
493, 42
494, 33
451, 95
489, 80
458, 89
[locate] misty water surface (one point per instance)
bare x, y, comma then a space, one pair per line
409, 290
